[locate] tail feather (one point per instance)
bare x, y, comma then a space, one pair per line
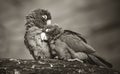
99, 61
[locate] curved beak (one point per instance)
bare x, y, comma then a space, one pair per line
48, 22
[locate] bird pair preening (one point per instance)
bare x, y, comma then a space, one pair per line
47, 41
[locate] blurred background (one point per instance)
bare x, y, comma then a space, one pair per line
97, 20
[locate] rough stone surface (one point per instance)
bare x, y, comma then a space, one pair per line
50, 66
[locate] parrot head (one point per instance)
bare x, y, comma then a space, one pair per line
52, 31
39, 18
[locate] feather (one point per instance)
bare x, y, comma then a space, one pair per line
74, 33
77, 44
38, 48
99, 61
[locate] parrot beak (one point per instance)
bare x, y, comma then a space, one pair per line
47, 30
48, 22
43, 36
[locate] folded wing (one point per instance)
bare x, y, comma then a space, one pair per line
77, 43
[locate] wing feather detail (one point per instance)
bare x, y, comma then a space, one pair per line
77, 44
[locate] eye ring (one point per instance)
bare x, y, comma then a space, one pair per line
44, 16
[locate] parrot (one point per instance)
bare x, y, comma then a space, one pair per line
36, 21
70, 45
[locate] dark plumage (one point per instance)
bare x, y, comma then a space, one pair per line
38, 48
38, 17
71, 45
36, 21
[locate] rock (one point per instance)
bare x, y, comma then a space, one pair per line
50, 66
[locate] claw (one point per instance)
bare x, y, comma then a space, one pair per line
40, 62
76, 59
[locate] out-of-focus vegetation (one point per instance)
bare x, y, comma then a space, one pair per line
97, 20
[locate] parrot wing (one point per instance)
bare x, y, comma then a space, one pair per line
31, 50
76, 43
77, 34
99, 61
30, 44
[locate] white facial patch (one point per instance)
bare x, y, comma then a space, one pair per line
48, 22
43, 36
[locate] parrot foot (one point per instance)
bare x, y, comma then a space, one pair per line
40, 62
76, 59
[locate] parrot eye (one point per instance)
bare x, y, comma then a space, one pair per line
44, 16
